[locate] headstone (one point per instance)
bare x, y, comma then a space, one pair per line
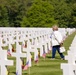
18, 56
4, 62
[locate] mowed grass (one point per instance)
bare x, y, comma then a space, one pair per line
45, 66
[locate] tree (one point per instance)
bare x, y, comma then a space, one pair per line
40, 14
3, 14
37, 13
62, 12
73, 15
17, 10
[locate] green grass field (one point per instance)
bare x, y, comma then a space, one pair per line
45, 66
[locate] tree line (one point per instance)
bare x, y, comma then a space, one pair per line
37, 13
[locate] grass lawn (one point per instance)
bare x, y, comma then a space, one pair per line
45, 66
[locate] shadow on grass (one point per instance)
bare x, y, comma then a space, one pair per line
48, 56
14, 73
51, 57
48, 73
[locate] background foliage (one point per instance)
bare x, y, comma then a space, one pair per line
37, 13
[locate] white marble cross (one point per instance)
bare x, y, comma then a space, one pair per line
30, 48
44, 44
68, 69
4, 62
70, 57
39, 45
18, 56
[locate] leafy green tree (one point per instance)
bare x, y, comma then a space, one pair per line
37, 13
40, 14
62, 12
73, 20
3, 14
16, 11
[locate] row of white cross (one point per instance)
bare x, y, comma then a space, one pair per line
70, 67
34, 38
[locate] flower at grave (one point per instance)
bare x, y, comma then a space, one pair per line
25, 46
13, 50
22, 66
22, 63
8, 52
36, 59
44, 54
26, 66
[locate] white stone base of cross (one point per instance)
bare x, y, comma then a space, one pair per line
68, 69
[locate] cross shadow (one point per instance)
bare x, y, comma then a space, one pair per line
51, 57
48, 56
